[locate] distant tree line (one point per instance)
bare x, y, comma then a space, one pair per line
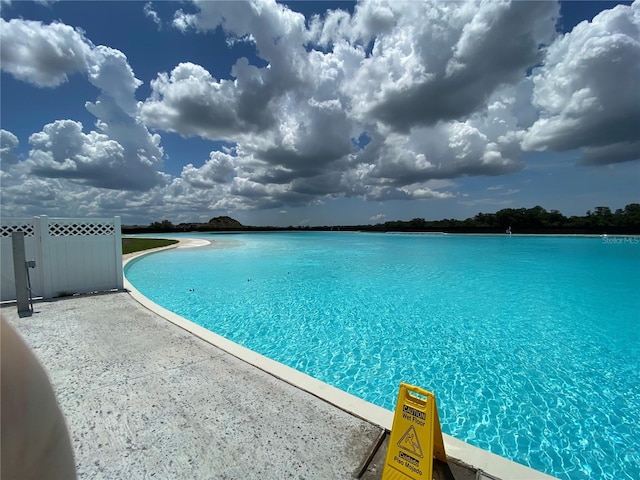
531, 220
520, 220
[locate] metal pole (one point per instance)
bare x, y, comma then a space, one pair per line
20, 273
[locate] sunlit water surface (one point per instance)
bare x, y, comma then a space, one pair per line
531, 344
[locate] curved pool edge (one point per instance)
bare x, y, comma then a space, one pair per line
483, 460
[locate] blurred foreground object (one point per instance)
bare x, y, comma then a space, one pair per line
35, 443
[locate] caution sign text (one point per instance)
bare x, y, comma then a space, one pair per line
415, 438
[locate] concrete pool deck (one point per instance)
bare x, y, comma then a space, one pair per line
146, 397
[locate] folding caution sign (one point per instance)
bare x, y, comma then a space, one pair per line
416, 437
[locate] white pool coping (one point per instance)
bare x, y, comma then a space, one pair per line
490, 463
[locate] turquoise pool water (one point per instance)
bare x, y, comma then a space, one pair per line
531, 344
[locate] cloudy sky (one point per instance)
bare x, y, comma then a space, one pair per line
315, 113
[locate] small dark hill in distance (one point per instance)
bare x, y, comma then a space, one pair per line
224, 222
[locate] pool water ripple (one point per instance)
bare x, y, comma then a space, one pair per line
531, 344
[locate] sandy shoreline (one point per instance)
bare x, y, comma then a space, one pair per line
182, 243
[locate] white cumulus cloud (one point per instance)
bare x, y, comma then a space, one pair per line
442, 61
120, 153
8, 142
149, 12
44, 55
587, 90
62, 150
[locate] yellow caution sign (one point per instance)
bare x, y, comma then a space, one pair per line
416, 437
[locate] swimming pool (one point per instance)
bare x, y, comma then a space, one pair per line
531, 344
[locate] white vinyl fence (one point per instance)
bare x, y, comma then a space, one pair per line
72, 255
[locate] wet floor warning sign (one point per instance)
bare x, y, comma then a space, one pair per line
415, 438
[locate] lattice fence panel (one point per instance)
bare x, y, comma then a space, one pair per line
27, 228
80, 229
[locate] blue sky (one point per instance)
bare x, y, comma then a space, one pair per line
315, 113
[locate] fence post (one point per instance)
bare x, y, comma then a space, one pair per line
117, 238
41, 230
37, 252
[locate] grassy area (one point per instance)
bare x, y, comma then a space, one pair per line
130, 245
